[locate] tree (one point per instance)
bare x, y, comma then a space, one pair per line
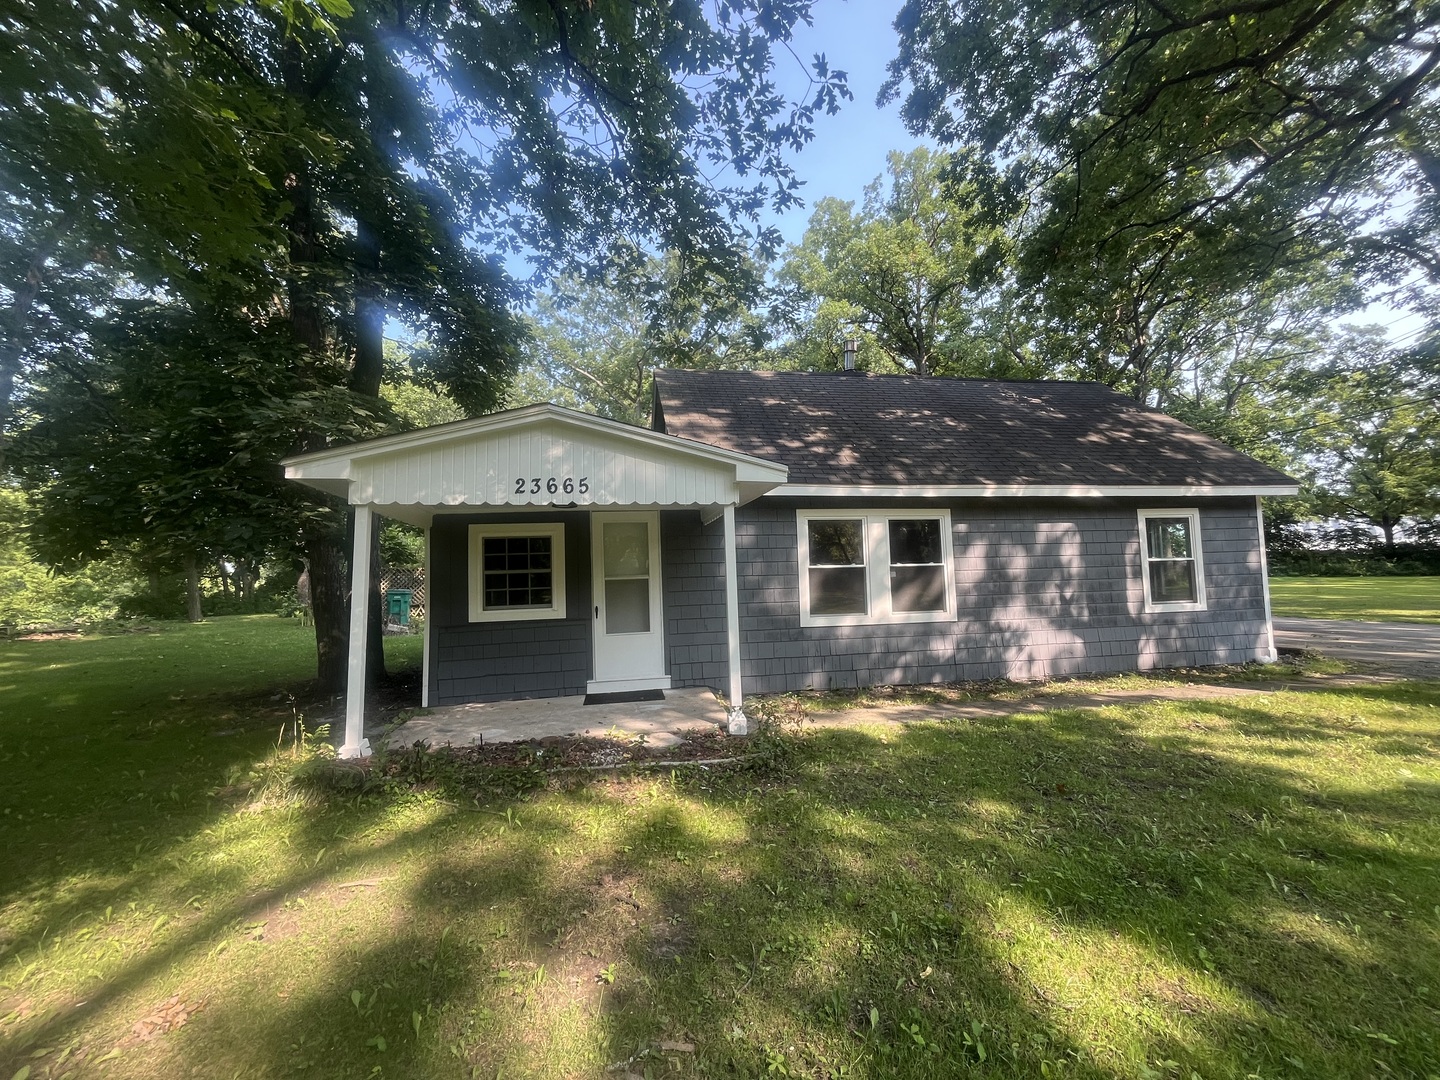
594, 344
1266, 124
912, 273
334, 165
159, 442
32, 595
1149, 315
1370, 434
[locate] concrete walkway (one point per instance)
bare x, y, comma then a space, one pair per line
658, 723
1405, 648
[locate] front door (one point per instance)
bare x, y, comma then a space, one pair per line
629, 626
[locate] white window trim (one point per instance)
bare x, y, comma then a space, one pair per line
479, 533
876, 526
1196, 547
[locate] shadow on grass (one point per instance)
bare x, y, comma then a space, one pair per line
1067, 892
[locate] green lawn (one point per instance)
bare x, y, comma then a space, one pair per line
1402, 599
1237, 890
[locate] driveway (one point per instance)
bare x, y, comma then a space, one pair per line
1410, 648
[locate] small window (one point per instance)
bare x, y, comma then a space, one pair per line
874, 567
1174, 572
517, 572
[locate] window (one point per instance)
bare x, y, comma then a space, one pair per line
869, 567
1174, 571
517, 572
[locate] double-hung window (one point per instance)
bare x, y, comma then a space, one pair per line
860, 567
517, 572
1174, 570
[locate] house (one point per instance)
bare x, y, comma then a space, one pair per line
776, 531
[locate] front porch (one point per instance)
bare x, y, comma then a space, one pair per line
565, 554
662, 723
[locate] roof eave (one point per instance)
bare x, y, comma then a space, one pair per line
1032, 491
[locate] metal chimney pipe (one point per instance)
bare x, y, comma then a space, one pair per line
852, 346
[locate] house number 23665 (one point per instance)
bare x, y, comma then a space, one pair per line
551, 485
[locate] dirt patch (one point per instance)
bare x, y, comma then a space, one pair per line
1175, 996
171, 1014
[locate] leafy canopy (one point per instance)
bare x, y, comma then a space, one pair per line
1295, 115
911, 273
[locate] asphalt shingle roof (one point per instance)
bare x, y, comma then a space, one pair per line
853, 428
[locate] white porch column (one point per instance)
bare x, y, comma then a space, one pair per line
356, 745
1265, 579
739, 724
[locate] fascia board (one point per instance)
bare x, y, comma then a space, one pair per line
1033, 491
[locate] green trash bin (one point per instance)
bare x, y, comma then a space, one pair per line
398, 606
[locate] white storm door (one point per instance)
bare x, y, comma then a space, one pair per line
629, 624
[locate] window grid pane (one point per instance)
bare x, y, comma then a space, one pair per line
839, 542
1172, 581
838, 590
915, 542
1168, 537
517, 572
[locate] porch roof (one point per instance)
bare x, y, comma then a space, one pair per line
538, 456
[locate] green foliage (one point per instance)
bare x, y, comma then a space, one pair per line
1371, 435
594, 343
1260, 130
401, 545
915, 274
319, 167
31, 595
162, 438
417, 406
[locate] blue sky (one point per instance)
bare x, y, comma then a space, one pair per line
848, 151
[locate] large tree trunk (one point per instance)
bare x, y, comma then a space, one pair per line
12, 340
323, 545
323, 551
193, 610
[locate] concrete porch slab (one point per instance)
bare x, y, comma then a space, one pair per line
660, 723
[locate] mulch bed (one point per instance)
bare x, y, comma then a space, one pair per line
559, 752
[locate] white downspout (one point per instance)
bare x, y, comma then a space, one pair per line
1265, 579
738, 723
355, 744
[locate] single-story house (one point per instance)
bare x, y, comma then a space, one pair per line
776, 531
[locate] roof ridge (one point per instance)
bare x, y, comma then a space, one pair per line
884, 375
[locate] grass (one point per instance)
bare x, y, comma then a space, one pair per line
1304, 666
1398, 599
1213, 889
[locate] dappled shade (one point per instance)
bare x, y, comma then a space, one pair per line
1227, 886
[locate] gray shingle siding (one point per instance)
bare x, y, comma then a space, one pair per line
692, 558
498, 661
1044, 588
